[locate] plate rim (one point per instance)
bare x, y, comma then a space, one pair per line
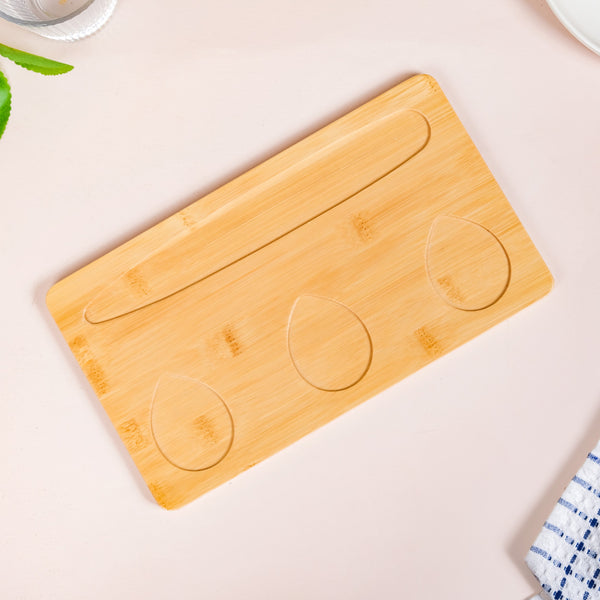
593, 46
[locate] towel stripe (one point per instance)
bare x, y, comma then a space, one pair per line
565, 557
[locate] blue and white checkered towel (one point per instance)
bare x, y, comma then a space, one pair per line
566, 555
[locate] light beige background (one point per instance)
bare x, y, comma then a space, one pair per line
432, 490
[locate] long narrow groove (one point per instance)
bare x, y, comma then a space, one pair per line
271, 241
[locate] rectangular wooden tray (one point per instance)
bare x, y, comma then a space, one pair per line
298, 290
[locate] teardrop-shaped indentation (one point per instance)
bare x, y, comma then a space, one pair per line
328, 344
191, 424
466, 264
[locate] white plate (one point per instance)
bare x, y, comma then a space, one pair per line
581, 18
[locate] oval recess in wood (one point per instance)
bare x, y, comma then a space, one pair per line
329, 345
466, 264
191, 424
208, 241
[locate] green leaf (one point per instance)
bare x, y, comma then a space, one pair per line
45, 66
4, 102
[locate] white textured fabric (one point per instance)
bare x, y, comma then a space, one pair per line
566, 554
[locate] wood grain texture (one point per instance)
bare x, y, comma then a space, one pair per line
384, 232
214, 237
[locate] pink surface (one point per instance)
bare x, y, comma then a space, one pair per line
435, 488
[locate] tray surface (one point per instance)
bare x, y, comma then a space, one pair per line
298, 290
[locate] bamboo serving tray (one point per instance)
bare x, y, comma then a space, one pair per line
298, 290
